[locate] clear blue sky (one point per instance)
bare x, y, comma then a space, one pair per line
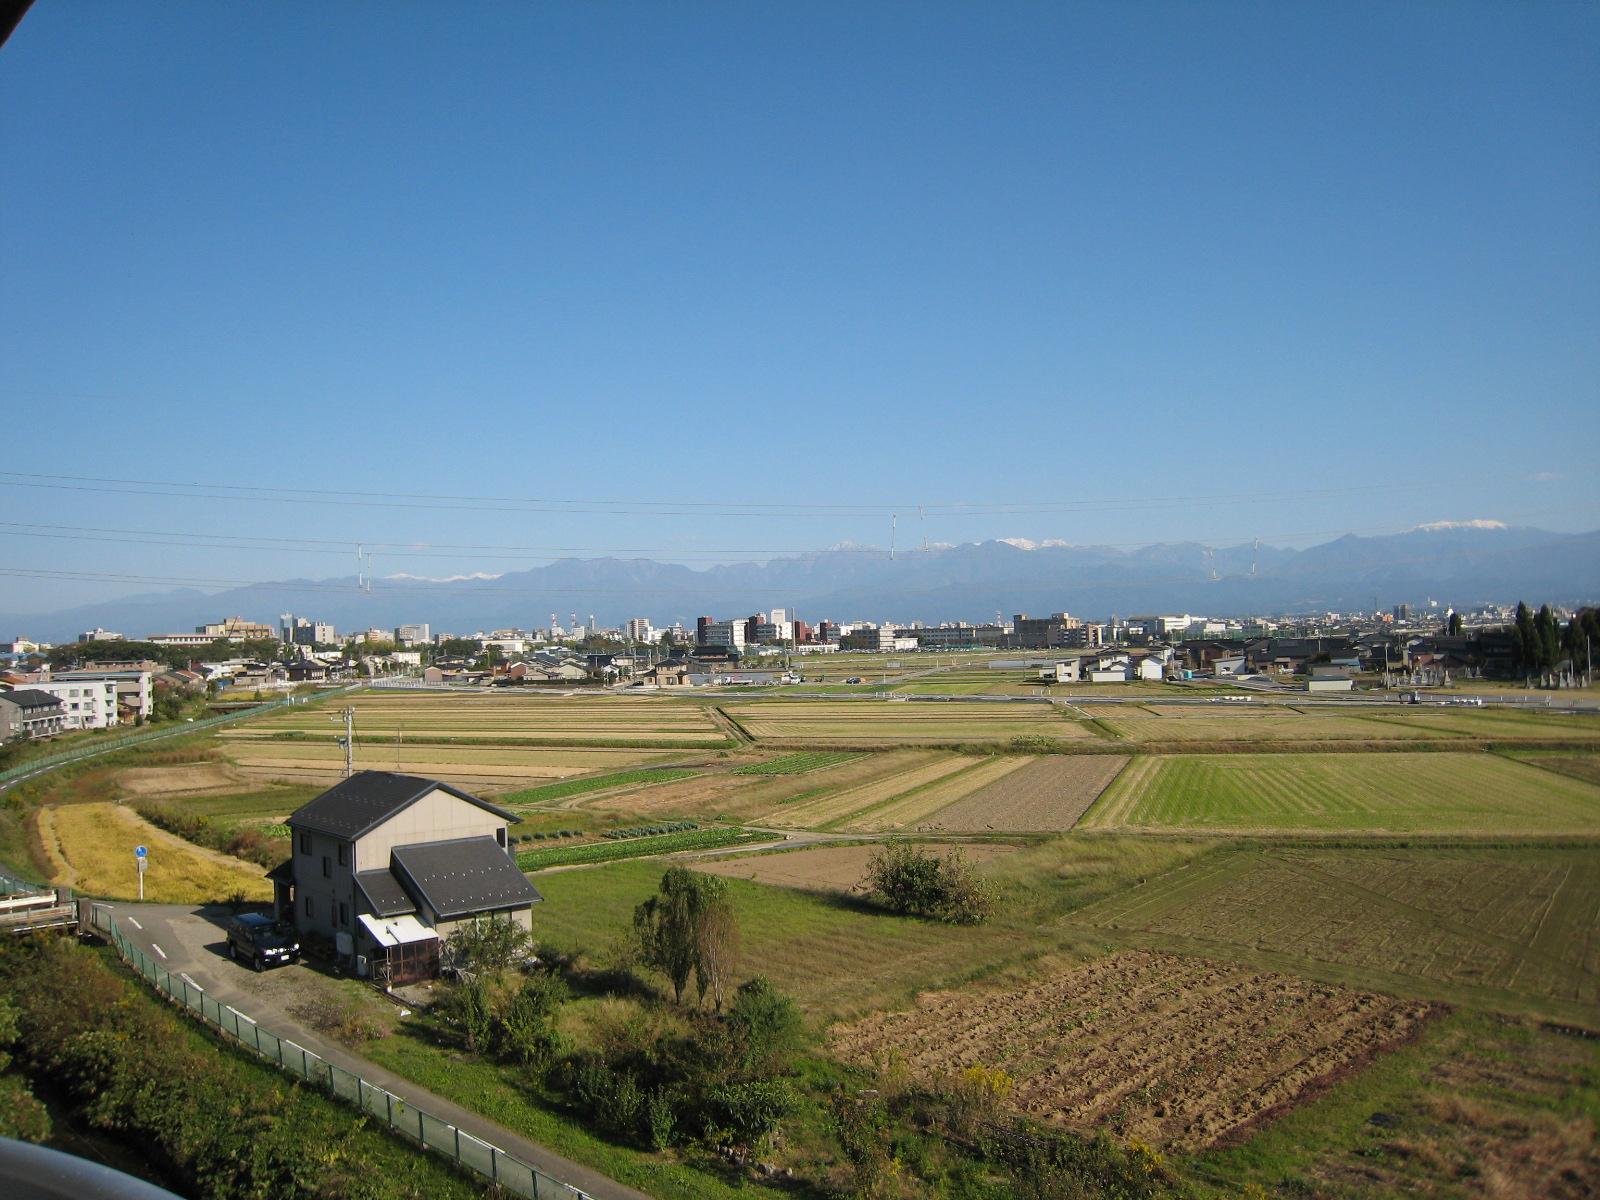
846, 257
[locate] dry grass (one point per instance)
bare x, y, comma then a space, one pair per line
865, 722
823, 868
1176, 1051
90, 848
916, 770
508, 718
1051, 794
914, 810
488, 768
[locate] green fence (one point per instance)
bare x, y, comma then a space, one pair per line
493, 1163
135, 739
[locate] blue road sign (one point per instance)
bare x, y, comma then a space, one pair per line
141, 851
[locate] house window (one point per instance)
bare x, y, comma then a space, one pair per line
327, 867
500, 836
344, 913
305, 843
308, 906
344, 855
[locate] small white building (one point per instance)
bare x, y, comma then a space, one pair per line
1228, 666
1152, 668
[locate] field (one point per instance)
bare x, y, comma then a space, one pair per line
1433, 794
749, 796
1503, 723
912, 809
834, 957
1578, 766
823, 868
486, 768
1047, 794
666, 843
186, 779
915, 770
1174, 1050
551, 792
1277, 724
798, 764
1508, 928
90, 848
505, 719
890, 722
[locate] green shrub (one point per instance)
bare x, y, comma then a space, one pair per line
910, 880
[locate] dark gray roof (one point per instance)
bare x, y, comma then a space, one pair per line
462, 877
283, 872
384, 894
31, 698
369, 798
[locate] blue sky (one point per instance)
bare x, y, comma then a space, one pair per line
1150, 271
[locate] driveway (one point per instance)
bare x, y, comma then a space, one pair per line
190, 943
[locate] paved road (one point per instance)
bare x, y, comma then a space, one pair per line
190, 943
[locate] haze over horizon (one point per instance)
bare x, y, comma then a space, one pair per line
477, 288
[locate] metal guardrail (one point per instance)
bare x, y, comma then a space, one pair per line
90, 751
494, 1164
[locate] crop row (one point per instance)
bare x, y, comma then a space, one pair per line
639, 831
798, 764
595, 783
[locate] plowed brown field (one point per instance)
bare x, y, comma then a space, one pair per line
1178, 1051
1048, 794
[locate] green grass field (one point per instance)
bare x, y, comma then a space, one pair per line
1395, 793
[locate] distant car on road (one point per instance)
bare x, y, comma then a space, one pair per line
854, 679
262, 942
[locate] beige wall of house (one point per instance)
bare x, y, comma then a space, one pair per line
437, 817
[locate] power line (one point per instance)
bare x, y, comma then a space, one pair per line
248, 542
388, 586
280, 495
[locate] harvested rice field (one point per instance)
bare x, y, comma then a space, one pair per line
910, 811
1394, 793
1504, 927
1177, 1051
886, 722
755, 796
1577, 766
489, 768
1045, 795
185, 779
1215, 724
1504, 723
505, 718
824, 868
90, 847
905, 773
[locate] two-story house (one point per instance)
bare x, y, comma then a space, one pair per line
387, 866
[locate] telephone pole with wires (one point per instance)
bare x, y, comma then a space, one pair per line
348, 741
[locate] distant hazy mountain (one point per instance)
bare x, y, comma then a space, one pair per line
1463, 565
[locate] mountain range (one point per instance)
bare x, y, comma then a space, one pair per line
1462, 564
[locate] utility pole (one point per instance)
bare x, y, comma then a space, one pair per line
348, 741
